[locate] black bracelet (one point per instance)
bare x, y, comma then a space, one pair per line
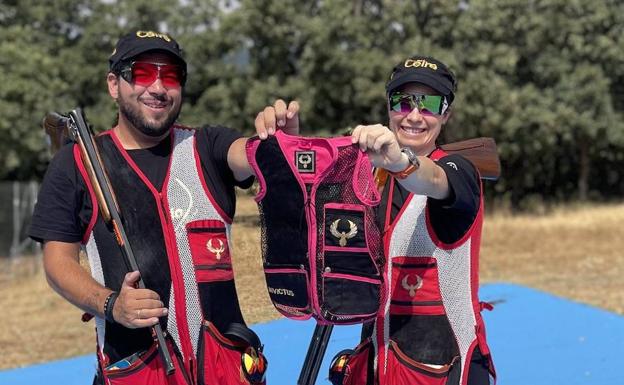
109, 304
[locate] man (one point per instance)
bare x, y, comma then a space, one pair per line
175, 190
430, 330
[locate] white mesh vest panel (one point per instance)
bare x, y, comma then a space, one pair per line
97, 273
188, 202
411, 238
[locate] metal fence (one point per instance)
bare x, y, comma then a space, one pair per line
17, 201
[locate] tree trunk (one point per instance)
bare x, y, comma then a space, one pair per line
584, 165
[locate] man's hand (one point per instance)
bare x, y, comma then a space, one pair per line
137, 308
272, 118
381, 146
278, 117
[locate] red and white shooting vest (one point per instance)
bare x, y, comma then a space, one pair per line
431, 322
181, 236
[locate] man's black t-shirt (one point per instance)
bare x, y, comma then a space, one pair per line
64, 207
450, 217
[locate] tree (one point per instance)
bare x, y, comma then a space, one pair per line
32, 36
546, 77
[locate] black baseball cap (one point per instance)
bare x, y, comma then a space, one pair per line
425, 70
138, 42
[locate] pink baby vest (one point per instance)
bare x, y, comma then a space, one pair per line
321, 246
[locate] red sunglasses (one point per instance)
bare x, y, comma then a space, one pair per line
144, 74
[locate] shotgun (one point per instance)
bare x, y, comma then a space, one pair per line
74, 127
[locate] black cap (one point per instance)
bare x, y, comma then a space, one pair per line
137, 42
425, 70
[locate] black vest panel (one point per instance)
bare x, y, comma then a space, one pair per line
142, 224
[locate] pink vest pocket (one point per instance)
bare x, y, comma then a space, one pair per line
289, 292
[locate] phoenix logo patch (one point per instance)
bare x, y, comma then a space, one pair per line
305, 161
216, 250
411, 288
343, 235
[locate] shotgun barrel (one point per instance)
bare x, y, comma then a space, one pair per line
316, 352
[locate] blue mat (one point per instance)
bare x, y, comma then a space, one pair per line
536, 339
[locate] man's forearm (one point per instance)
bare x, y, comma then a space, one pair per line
237, 160
65, 275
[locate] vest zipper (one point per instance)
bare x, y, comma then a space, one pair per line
311, 221
310, 209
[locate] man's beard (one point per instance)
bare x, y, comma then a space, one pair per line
134, 116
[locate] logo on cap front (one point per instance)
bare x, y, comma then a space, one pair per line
143, 34
416, 63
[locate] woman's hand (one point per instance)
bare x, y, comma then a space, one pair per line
381, 145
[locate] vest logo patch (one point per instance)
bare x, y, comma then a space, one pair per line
411, 288
179, 214
343, 235
305, 161
215, 250
281, 291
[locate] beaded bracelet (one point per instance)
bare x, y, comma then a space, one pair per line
109, 304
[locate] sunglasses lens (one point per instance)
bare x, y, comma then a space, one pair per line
171, 75
427, 104
144, 74
406, 105
401, 103
431, 104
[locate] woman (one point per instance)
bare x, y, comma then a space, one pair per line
430, 330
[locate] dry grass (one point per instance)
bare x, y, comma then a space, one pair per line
38, 325
247, 261
576, 253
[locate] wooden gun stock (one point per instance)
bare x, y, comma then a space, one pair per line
481, 152
57, 128
55, 125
